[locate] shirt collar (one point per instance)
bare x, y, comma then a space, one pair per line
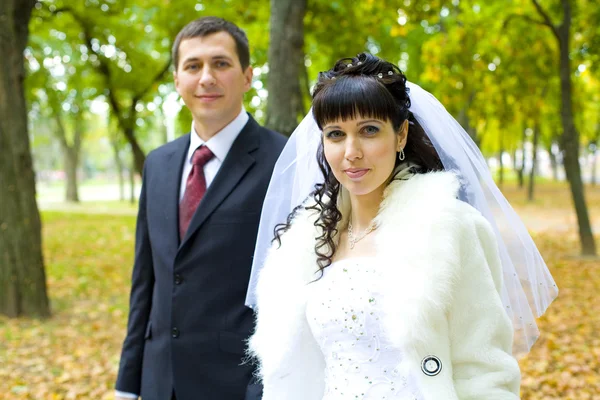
221, 142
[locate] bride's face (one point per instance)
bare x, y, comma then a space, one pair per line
362, 152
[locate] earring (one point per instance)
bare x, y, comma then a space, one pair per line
401, 155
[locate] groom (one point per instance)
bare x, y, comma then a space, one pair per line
198, 217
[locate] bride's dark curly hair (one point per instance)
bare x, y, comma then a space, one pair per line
369, 87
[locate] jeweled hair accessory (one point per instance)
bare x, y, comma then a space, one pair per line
380, 75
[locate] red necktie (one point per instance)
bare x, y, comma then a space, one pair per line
195, 188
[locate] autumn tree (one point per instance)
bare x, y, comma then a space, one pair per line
115, 62
570, 138
286, 64
22, 275
61, 87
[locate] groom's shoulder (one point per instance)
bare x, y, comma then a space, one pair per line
170, 147
270, 138
273, 136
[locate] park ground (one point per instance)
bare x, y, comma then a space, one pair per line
89, 252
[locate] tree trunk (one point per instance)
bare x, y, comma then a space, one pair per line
114, 143
553, 162
22, 275
536, 136
594, 167
139, 158
501, 166
164, 130
71, 154
286, 61
127, 125
71, 160
120, 169
595, 157
500, 161
464, 120
132, 183
521, 170
570, 138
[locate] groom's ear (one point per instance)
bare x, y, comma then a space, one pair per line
248, 73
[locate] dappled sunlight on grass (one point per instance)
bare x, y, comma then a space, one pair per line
75, 354
552, 208
93, 207
549, 195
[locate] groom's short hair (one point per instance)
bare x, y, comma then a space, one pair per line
207, 26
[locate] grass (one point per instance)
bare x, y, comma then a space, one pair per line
73, 355
549, 195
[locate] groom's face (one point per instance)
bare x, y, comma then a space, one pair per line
210, 78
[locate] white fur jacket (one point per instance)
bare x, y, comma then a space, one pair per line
441, 299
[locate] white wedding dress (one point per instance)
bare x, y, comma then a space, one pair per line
345, 318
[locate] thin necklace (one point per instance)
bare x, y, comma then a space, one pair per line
353, 240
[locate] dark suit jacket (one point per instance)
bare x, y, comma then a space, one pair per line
187, 320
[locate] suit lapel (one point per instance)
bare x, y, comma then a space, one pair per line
171, 180
235, 166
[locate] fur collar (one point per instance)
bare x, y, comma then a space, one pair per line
410, 244
426, 241
417, 253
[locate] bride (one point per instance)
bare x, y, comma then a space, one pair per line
387, 282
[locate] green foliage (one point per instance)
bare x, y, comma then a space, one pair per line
493, 67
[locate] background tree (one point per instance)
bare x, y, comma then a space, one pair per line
286, 65
129, 44
461, 51
22, 275
570, 138
115, 62
63, 93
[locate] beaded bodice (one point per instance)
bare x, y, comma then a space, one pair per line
345, 317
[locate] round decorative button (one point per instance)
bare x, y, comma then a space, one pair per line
431, 366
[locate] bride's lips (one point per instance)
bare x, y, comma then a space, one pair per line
356, 173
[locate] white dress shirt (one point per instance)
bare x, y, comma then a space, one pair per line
219, 144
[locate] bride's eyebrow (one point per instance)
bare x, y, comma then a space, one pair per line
369, 121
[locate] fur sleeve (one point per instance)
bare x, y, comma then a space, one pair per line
290, 362
481, 332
